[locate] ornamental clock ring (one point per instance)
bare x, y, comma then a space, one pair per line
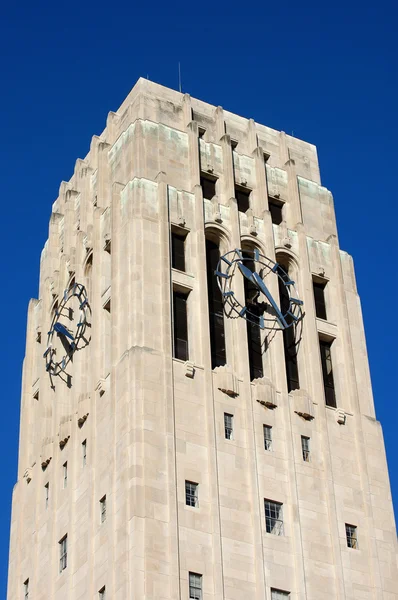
257, 304
68, 328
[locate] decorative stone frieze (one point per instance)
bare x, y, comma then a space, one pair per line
189, 369
302, 404
340, 416
263, 391
227, 381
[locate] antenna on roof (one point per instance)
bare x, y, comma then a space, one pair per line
179, 76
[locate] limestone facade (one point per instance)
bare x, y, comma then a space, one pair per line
131, 424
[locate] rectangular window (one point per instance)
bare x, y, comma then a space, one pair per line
242, 196
319, 298
208, 184
351, 535
267, 437
305, 448
65, 474
216, 307
273, 517
276, 210
47, 494
191, 493
26, 589
103, 509
180, 325
327, 372
63, 553
178, 251
195, 586
228, 426
101, 593
279, 594
84, 452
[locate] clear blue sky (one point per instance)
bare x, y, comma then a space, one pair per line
324, 71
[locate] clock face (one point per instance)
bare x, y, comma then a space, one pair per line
68, 331
256, 303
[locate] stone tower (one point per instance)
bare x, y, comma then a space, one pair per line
170, 449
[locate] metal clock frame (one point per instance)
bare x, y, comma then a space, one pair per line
78, 339
225, 272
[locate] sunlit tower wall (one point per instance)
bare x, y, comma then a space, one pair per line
183, 453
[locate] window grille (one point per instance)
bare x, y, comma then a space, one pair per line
228, 426
47, 493
191, 493
279, 594
63, 553
103, 509
178, 251
195, 586
319, 298
101, 593
351, 535
180, 326
305, 448
84, 452
267, 437
327, 371
273, 517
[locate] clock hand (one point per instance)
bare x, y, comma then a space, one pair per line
59, 328
263, 288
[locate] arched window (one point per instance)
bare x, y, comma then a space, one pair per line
216, 309
255, 347
290, 344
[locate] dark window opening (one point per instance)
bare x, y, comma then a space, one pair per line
216, 309
276, 211
255, 347
234, 144
289, 340
177, 251
201, 132
327, 372
208, 184
242, 196
351, 536
180, 326
319, 297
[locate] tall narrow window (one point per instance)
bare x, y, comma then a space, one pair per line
216, 309
191, 493
267, 437
228, 426
273, 517
180, 325
327, 372
275, 209
351, 536
46, 494
84, 452
242, 196
208, 184
319, 297
178, 251
289, 341
65, 474
63, 553
305, 448
26, 589
102, 593
195, 586
279, 594
103, 509
255, 347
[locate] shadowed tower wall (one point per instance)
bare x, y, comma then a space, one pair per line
131, 423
